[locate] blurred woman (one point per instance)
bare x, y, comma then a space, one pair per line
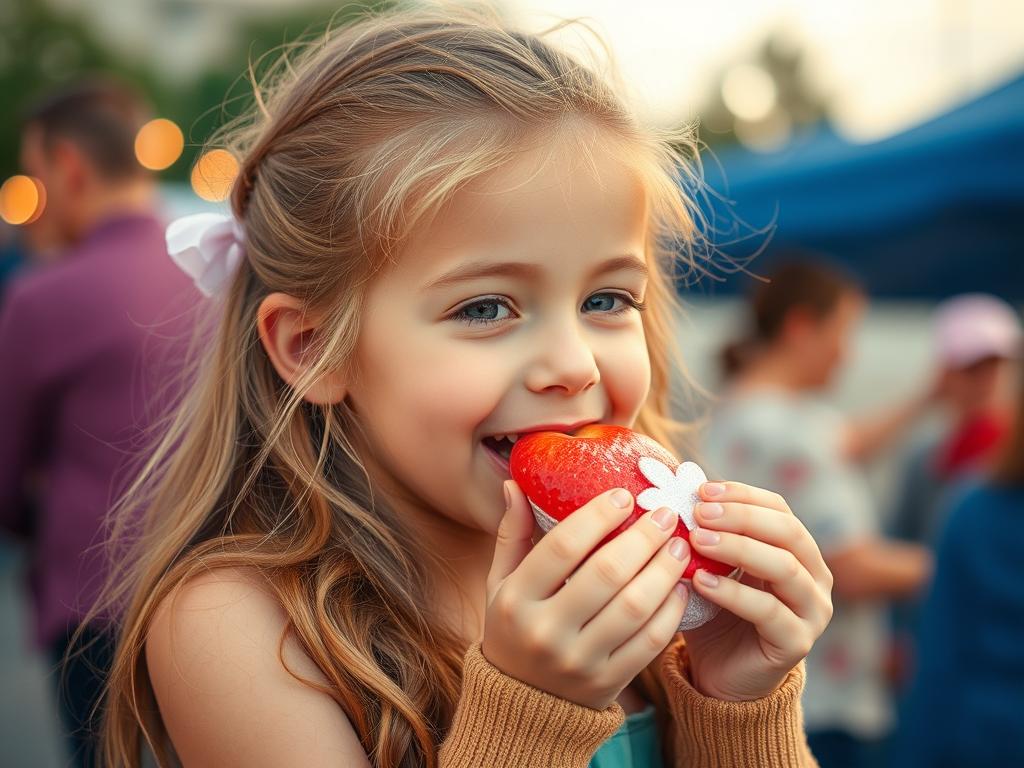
773, 430
966, 706
977, 338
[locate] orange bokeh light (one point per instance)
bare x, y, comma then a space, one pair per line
22, 199
158, 144
213, 175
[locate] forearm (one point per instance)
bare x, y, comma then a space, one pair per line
867, 435
880, 569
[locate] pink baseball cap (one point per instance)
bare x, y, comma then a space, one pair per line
974, 326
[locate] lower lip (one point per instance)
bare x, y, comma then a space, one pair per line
497, 460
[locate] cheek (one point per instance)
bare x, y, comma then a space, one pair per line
422, 405
452, 397
419, 389
626, 374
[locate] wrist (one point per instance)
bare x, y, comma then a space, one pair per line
766, 731
758, 686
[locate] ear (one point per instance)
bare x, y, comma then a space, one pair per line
287, 331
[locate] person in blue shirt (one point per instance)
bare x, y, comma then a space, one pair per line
966, 706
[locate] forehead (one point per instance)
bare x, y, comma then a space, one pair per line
553, 205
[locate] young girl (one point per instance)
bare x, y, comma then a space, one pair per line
445, 232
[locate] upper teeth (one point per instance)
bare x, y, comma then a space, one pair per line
511, 438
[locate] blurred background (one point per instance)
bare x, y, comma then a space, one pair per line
884, 140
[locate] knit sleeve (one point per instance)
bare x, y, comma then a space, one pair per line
501, 722
711, 733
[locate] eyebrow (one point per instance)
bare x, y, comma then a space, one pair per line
467, 272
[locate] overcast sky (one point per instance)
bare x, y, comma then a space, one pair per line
888, 63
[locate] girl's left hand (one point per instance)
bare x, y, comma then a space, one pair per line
775, 612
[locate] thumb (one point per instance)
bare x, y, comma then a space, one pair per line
515, 536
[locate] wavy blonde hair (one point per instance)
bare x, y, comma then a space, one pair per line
355, 139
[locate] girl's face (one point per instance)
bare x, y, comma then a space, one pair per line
512, 310
820, 346
834, 337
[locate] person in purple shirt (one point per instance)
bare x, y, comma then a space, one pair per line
86, 344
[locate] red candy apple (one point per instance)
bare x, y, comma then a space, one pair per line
560, 473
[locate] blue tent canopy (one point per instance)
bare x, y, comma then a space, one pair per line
930, 212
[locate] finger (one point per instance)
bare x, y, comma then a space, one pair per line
774, 622
721, 491
780, 529
636, 603
780, 568
613, 566
565, 546
514, 539
653, 637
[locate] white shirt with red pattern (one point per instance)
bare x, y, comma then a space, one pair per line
790, 444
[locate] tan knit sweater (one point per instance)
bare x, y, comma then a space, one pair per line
501, 722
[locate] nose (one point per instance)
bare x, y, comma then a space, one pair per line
564, 361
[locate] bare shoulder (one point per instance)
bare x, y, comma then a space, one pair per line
214, 657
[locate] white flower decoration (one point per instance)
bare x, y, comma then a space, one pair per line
678, 491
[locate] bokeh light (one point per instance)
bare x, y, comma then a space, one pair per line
749, 92
22, 199
158, 144
213, 175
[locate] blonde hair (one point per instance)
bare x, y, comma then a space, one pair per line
352, 144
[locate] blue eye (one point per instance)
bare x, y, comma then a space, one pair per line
602, 299
494, 309
482, 311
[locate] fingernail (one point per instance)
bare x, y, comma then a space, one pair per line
706, 537
713, 489
664, 518
621, 498
710, 510
679, 549
680, 589
707, 579
508, 496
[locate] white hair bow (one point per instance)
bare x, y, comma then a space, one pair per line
208, 247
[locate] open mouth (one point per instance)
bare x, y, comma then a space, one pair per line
501, 444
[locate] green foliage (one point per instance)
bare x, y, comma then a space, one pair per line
38, 51
41, 49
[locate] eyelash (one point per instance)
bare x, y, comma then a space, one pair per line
460, 316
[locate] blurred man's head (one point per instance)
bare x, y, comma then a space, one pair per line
80, 143
977, 337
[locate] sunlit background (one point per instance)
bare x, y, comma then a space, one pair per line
752, 71
790, 97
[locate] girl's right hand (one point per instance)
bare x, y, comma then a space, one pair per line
587, 638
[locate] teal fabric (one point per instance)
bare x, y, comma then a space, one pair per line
635, 745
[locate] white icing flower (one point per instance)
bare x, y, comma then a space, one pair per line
679, 491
